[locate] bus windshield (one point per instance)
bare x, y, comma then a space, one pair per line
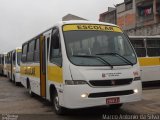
18, 57
98, 48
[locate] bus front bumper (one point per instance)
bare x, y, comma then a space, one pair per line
79, 96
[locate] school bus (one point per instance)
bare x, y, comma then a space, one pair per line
3, 61
13, 65
79, 64
148, 52
8, 65
5, 64
1, 64
16, 57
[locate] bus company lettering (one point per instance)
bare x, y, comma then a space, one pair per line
111, 74
30, 71
95, 27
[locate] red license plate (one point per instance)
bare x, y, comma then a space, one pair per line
114, 100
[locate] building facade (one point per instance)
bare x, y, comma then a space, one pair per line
139, 17
109, 16
72, 17
147, 18
126, 14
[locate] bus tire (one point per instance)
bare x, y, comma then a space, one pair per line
2, 73
14, 81
59, 110
16, 84
115, 106
8, 76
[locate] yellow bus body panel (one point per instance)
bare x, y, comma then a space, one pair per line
33, 71
55, 74
149, 61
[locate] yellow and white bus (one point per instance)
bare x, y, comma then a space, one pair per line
5, 64
79, 64
148, 52
8, 65
1, 64
3, 61
16, 57
13, 66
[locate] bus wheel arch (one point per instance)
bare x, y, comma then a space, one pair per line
52, 90
55, 101
8, 75
14, 80
29, 88
27, 83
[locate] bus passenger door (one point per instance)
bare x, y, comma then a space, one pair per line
42, 67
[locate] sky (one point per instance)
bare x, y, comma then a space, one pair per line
20, 20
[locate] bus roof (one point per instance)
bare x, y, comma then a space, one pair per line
61, 23
158, 36
18, 48
84, 22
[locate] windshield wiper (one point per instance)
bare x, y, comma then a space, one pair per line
90, 56
124, 59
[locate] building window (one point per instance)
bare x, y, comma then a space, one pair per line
145, 11
128, 4
158, 7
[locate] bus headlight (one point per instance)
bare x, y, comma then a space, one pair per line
84, 95
75, 82
135, 90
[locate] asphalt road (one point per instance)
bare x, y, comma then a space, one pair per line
16, 103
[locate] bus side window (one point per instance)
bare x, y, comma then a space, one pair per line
30, 53
153, 47
0, 59
14, 58
139, 46
36, 51
24, 52
48, 46
3, 59
55, 49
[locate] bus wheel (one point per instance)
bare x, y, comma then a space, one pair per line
14, 81
115, 106
57, 108
2, 73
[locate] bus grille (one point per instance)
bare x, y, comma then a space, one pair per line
111, 82
108, 94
